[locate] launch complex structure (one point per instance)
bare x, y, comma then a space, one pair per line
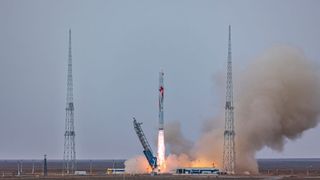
229, 132
69, 156
157, 164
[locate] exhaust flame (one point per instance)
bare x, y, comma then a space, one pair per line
161, 151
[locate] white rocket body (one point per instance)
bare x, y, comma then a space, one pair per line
161, 144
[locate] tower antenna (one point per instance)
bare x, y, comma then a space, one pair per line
69, 155
229, 134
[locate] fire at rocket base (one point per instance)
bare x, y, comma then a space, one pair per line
161, 151
161, 144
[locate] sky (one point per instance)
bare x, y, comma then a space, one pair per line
119, 47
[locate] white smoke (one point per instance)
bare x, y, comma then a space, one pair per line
137, 165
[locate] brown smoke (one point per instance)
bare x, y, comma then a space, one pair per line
176, 142
276, 99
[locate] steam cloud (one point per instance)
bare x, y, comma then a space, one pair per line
276, 99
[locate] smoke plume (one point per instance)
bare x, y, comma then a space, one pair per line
277, 98
176, 142
137, 165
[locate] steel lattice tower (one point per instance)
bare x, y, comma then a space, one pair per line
229, 134
69, 155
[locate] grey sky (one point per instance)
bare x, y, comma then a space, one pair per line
118, 49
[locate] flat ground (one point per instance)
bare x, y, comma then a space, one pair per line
268, 169
165, 177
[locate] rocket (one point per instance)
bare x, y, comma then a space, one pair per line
161, 96
161, 144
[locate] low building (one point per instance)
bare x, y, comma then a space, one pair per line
198, 170
80, 173
115, 171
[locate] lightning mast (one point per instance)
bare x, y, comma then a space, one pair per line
69, 155
229, 134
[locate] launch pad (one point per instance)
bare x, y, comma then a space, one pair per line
97, 169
